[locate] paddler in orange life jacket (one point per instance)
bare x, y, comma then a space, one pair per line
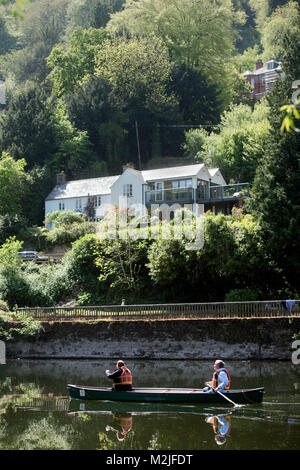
121, 377
220, 380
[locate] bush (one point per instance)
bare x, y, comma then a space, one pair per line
89, 299
12, 226
241, 295
58, 218
48, 284
63, 234
3, 306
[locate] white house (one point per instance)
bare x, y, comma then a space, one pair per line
190, 184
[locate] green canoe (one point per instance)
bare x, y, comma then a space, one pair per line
165, 395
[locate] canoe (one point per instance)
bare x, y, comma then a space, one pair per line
165, 395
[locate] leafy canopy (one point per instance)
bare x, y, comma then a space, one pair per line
236, 146
138, 71
12, 177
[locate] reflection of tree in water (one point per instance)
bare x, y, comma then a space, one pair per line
40, 434
16, 395
154, 443
15, 433
45, 434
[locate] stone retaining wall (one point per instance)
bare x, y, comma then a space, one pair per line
174, 339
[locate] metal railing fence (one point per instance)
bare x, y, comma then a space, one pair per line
215, 310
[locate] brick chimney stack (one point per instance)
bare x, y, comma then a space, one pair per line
259, 64
61, 178
128, 165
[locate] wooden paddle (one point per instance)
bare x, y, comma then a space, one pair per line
226, 398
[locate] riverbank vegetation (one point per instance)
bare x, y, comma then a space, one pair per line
98, 269
81, 77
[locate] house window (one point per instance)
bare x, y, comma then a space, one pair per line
127, 190
97, 200
78, 204
61, 206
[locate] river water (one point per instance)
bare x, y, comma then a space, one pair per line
36, 413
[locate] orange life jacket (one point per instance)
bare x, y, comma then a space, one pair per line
215, 425
126, 424
125, 378
215, 379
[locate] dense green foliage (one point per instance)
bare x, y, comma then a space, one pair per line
114, 63
238, 144
104, 270
81, 77
275, 194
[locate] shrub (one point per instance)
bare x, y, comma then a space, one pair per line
58, 218
241, 295
63, 234
3, 306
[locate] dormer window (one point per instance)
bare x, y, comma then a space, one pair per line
272, 64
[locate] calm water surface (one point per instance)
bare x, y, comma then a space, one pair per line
36, 413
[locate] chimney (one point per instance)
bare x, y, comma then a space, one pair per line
61, 178
128, 165
259, 64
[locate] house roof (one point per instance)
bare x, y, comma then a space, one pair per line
262, 70
81, 188
102, 186
213, 171
173, 172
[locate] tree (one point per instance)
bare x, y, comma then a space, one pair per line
261, 8
248, 34
12, 177
73, 148
236, 146
241, 89
197, 33
26, 126
90, 108
248, 59
284, 19
39, 183
17, 8
70, 66
200, 34
122, 265
91, 13
9, 258
138, 70
41, 28
199, 100
232, 257
7, 41
274, 199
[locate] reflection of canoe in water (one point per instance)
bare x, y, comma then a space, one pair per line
135, 408
165, 395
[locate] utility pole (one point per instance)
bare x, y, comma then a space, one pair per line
138, 145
